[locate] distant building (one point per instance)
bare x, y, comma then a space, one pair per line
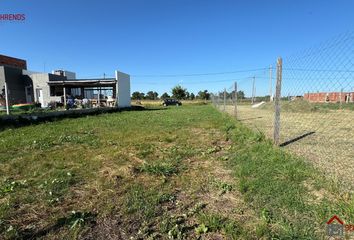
67, 74
333, 97
25, 86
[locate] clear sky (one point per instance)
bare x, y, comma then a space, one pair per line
167, 37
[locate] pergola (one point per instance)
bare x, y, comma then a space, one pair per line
63, 88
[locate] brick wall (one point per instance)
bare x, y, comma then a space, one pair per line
329, 97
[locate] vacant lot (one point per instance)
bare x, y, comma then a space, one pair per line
174, 173
330, 147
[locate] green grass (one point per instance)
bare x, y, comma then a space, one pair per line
165, 169
217, 223
150, 174
274, 182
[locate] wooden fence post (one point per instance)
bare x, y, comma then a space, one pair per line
276, 136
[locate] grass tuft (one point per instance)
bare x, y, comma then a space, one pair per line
160, 168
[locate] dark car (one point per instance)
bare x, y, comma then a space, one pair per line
171, 101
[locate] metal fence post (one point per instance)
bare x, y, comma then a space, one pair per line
64, 93
277, 102
99, 97
7, 99
224, 99
235, 99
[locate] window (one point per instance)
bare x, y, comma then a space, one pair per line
56, 91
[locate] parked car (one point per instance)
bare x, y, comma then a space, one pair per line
171, 101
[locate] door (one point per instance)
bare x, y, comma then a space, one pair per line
28, 92
39, 94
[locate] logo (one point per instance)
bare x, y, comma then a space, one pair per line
18, 17
335, 227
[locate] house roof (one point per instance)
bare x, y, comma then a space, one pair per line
84, 82
13, 62
335, 218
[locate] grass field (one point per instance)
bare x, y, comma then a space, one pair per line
173, 173
330, 147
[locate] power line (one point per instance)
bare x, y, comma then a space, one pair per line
200, 74
318, 70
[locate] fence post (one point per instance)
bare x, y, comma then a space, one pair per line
224, 99
277, 102
219, 101
235, 99
7, 99
270, 84
64, 93
253, 89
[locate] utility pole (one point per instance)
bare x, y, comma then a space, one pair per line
253, 89
270, 84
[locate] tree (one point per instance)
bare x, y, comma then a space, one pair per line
192, 96
151, 95
240, 95
187, 95
137, 95
203, 95
165, 95
179, 92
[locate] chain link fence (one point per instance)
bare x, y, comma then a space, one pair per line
304, 103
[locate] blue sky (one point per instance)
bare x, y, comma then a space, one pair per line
164, 37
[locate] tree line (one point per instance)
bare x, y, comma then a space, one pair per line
181, 93
178, 92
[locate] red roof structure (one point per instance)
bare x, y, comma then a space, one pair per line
335, 217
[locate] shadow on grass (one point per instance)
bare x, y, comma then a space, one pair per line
295, 139
16, 121
73, 220
246, 119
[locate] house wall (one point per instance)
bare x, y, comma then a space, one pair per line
15, 84
40, 81
2, 79
123, 85
13, 62
330, 96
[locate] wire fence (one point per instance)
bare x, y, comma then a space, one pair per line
304, 103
